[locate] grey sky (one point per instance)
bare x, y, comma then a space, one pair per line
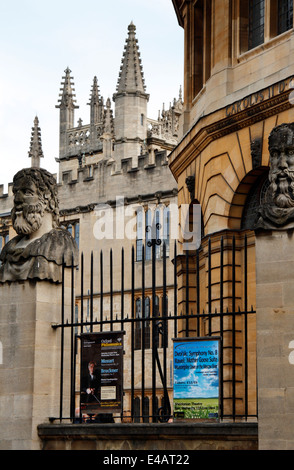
39, 39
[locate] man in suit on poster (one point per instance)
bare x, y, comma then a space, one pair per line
91, 384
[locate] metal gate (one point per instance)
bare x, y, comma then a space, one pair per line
97, 304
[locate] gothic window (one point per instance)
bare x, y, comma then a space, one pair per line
157, 233
285, 15
148, 228
139, 239
256, 23
166, 228
139, 324
151, 224
74, 229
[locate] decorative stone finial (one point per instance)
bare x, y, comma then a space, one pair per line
36, 152
277, 212
67, 97
131, 77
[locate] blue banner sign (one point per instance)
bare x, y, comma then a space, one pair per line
196, 378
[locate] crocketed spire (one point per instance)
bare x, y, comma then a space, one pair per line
36, 152
67, 95
131, 78
96, 103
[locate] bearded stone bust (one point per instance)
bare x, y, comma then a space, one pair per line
277, 211
40, 247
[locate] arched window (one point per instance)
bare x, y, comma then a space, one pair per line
166, 228
137, 410
138, 324
148, 225
139, 239
141, 326
146, 411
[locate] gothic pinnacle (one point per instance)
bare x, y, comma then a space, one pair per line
131, 77
94, 98
36, 152
67, 95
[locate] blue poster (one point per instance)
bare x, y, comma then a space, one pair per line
196, 378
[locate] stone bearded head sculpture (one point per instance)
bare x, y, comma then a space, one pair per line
278, 208
35, 201
40, 247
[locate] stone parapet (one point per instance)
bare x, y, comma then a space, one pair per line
143, 436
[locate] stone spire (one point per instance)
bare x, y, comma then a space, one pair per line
130, 122
67, 96
36, 152
131, 78
67, 108
96, 103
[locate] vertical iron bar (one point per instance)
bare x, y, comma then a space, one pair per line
164, 327
143, 334
132, 337
187, 293
198, 291
101, 290
154, 338
209, 284
122, 314
122, 303
82, 292
61, 345
74, 376
246, 324
221, 325
234, 324
91, 292
82, 310
111, 290
72, 344
175, 291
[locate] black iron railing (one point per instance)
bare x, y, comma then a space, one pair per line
148, 387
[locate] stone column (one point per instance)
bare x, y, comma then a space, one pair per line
275, 334
275, 296
30, 369
31, 278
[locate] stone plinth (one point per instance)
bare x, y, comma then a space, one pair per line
29, 372
275, 332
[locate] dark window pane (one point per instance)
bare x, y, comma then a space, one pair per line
256, 23
285, 15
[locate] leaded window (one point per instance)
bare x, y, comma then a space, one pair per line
256, 23
285, 15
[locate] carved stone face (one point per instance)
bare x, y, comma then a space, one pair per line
28, 209
281, 175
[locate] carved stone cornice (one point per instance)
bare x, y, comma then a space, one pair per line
217, 124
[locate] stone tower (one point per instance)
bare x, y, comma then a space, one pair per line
130, 104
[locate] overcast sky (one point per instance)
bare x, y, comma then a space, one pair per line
39, 39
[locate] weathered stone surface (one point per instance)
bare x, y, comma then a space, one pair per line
40, 247
278, 208
275, 326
